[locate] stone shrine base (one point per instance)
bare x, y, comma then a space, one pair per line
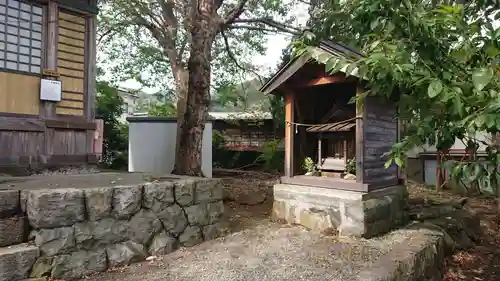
350, 213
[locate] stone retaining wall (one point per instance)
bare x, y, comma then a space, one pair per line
348, 212
80, 231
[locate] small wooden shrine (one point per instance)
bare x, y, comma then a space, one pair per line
322, 124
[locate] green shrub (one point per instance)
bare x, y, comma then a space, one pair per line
351, 166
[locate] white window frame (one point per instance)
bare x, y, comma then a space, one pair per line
22, 26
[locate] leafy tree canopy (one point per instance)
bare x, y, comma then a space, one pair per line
153, 37
438, 59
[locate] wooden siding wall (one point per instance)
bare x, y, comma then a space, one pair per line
380, 132
71, 63
37, 134
19, 93
336, 147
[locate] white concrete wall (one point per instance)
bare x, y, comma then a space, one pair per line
152, 146
457, 145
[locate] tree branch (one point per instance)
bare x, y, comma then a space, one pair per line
233, 57
270, 22
256, 28
235, 12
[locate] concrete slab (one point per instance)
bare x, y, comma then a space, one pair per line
78, 181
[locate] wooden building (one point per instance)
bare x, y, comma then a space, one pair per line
47, 83
244, 131
323, 125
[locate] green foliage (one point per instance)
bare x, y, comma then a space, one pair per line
162, 109
115, 135
271, 156
351, 166
309, 166
440, 63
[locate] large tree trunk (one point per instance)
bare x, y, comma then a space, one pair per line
198, 95
181, 80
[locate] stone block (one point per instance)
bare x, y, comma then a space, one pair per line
16, 262
191, 236
143, 226
42, 267
213, 231
79, 264
125, 253
208, 190
158, 196
95, 234
184, 192
23, 200
215, 211
55, 241
163, 244
12, 231
174, 220
316, 220
352, 213
51, 208
279, 210
98, 202
197, 214
126, 201
9, 203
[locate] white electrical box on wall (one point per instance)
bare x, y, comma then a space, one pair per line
50, 90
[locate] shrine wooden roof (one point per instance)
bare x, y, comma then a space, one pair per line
285, 72
323, 128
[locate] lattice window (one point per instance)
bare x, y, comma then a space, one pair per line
20, 36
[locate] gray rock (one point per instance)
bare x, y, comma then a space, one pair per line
36, 279
158, 196
12, 231
184, 192
174, 220
208, 190
215, 211
55, 241
42, 267
50, 208
89, 235
98, 202
197, 214
350, 177
191, 236
79, 264
250, 196
163, 244
143, 226
23, 200
16, 262
126, 201
125, 253
9, 203
213, 231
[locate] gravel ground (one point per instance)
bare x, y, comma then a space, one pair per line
266, 251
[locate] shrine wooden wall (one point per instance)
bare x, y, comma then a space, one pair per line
379, 134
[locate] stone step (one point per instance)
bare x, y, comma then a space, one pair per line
13, 231
16, 261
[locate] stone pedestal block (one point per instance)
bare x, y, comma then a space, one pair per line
16, 262
350, 213
12, 231
9, 203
